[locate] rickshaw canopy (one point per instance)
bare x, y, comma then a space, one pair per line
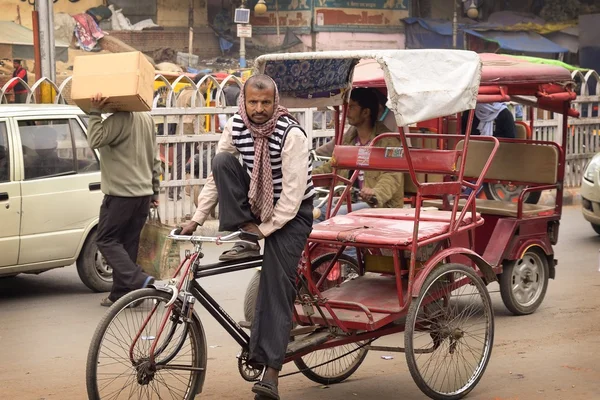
421, 84
503, 78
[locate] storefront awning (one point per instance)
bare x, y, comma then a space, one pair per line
524, 42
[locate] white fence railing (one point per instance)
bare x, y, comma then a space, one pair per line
195, 151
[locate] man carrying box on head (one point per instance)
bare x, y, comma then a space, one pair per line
130, 170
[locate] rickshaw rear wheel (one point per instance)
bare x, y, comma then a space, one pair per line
339, 362
449, 332
523, 282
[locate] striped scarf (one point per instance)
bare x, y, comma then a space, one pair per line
261, 181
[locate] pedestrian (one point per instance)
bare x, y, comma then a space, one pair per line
269, 194
130, 171
17, 86
189, 96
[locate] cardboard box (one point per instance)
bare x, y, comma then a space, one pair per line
127, 79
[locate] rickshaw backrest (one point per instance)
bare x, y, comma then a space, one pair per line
394, 159
515, 162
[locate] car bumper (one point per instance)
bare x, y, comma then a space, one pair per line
590, 201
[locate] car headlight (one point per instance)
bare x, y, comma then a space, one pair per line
592, 169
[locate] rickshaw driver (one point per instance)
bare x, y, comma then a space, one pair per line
386, 187
272, 187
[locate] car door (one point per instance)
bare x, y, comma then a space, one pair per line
60, 189
10, 199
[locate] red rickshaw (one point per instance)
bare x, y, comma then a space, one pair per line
418, 270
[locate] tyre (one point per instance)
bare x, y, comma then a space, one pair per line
336, 364
250, 296
523, 282
509, 193
115, 371
449, 332
596, 228
93, 270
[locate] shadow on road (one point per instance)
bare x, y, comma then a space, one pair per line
57, 282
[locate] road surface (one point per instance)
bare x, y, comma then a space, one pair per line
47, 321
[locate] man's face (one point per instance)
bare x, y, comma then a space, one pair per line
16, 64
355, 114
260, 104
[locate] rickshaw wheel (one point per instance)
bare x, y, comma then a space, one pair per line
523, 282
339, 362
509, 193
449, 332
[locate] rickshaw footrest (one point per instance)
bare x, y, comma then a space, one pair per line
311, 340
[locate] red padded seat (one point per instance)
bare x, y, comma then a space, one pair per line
384, 226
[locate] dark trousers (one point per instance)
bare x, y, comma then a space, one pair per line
118, 238
272, 323
21, 97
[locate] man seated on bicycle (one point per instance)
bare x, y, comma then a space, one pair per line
386, 188
269, 194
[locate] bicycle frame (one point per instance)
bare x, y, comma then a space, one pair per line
192, 271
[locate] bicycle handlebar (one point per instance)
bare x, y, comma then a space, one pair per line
239, 236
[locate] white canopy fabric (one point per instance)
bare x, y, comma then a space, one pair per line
422, 84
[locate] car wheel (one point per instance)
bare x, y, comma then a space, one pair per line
92, 268
596, 228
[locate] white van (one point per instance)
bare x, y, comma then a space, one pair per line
49, 193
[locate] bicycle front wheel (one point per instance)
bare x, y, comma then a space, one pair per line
119, 365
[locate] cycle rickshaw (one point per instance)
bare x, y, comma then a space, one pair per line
418, 270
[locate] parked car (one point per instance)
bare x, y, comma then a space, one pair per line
49, 193
590, 193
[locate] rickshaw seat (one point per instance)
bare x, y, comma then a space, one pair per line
495, 207
385, 226
394, 159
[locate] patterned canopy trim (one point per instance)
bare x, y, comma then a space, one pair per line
311, 78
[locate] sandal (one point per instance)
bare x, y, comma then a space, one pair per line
239, 251
265, 390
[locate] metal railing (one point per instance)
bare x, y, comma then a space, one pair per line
191, 133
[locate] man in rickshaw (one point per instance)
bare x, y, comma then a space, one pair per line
385, 123
491, 119
270, 195
382, 189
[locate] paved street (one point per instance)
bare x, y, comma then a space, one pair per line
46, 323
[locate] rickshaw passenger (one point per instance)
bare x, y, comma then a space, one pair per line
383, 124
386, 187
491, 119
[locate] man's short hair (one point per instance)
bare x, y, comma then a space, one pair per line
17, 60
261, 82
366, 98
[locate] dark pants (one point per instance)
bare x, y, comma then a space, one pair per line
21, 98
118, 239
277, 290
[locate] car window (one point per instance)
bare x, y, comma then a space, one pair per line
4, 154
85, 119
47, 148
85, 157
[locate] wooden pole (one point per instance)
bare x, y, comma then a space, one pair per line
191, 35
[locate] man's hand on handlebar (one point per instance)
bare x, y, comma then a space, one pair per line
189, 228
367, 194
